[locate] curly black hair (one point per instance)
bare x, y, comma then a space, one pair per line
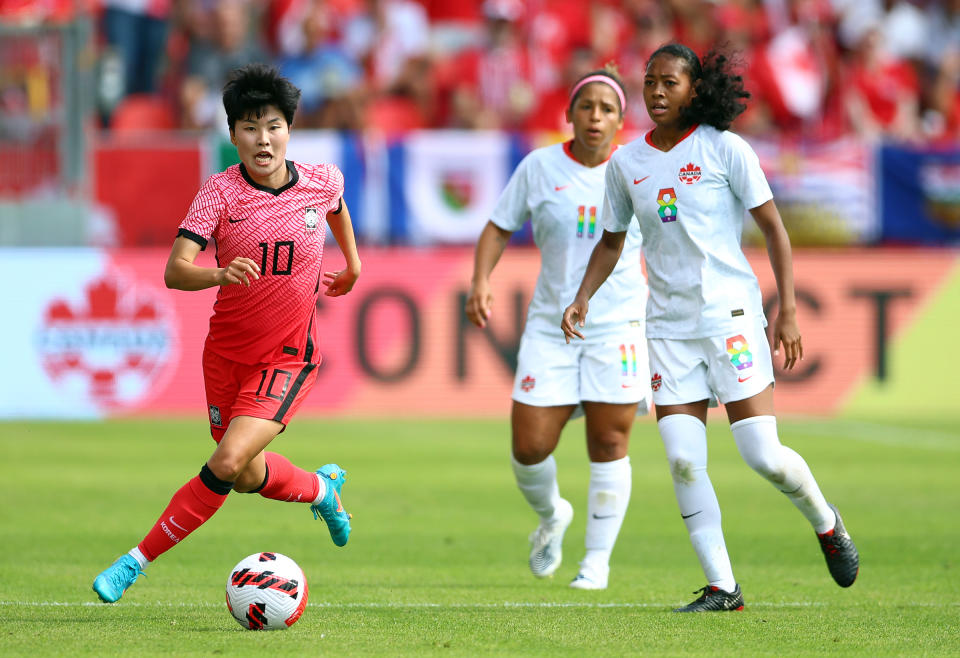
608, 71
719, 90
252, 88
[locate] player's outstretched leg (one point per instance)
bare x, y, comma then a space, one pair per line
843, 561
714, 599
330, 507
546, 542
117, 578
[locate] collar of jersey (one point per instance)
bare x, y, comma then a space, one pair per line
568, 149
649, 140
275, 191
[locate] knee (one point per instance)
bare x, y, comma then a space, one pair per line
608, 446
767, 465
227, 466
528, 455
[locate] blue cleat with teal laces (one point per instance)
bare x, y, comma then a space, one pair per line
115, 579
330, 509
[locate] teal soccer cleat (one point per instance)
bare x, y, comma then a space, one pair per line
116, 579
330, 509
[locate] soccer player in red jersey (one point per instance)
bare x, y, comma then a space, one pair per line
260, 358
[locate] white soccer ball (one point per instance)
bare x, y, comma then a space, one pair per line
266, 592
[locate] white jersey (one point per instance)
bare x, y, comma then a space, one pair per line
563, 198
690, 203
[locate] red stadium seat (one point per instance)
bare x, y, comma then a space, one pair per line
142, 112
393, 116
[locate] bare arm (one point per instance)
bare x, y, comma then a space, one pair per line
182, 274
602, 261
493, 240
340, 283
786, 329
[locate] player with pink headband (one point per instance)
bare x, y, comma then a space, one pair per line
560, 189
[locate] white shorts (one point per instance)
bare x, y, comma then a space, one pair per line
727, 368
615, 371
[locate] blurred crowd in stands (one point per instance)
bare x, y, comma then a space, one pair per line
817, 69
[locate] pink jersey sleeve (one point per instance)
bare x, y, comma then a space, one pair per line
334, 184
205, 212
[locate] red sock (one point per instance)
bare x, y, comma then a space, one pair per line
189, 508
287, 482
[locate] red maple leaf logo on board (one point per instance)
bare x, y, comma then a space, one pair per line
111, 344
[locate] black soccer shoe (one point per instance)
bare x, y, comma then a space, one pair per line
715, 599
843, 561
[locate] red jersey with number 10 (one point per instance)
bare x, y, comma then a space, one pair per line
283, 231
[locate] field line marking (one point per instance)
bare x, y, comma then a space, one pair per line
401, 606
894, 435
456, 606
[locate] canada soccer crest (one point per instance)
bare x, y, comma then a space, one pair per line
527, 383
311, 218
656, 381
112, 346
689, 174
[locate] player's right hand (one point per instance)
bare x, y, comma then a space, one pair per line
574, 315
240, 271
479, 304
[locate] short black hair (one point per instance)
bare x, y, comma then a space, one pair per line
608, 71
720, 91
252, 88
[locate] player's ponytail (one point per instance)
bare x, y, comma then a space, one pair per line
720, 92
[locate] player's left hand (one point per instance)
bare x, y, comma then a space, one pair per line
786, 332
339, 283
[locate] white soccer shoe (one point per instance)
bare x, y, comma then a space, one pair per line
546, 542
590, 578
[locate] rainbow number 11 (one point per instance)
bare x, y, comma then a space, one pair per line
582, 212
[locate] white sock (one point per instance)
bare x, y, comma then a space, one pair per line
760, 447
538, 483
322, 491
685, 440
139, 557
607, 500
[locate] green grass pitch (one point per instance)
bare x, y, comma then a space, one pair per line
437, 562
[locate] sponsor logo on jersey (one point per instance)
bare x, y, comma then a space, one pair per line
527, 383
112, 345
311, 218
689, 174
667, 202
656, 381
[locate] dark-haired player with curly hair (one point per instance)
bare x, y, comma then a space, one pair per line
260, 359
559, 189
688, 182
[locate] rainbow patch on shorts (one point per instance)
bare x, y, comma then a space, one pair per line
739, 351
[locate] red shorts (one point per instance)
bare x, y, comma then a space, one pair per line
263, 390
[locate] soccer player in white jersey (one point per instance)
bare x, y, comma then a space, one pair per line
688, 182
560, 189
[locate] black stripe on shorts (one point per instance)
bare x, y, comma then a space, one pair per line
292, 393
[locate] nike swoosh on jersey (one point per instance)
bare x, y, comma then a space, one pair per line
743, 379
235, 221
637, 181
560, 187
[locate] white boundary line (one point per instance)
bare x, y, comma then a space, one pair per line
397, 606
440, 606
871, 432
